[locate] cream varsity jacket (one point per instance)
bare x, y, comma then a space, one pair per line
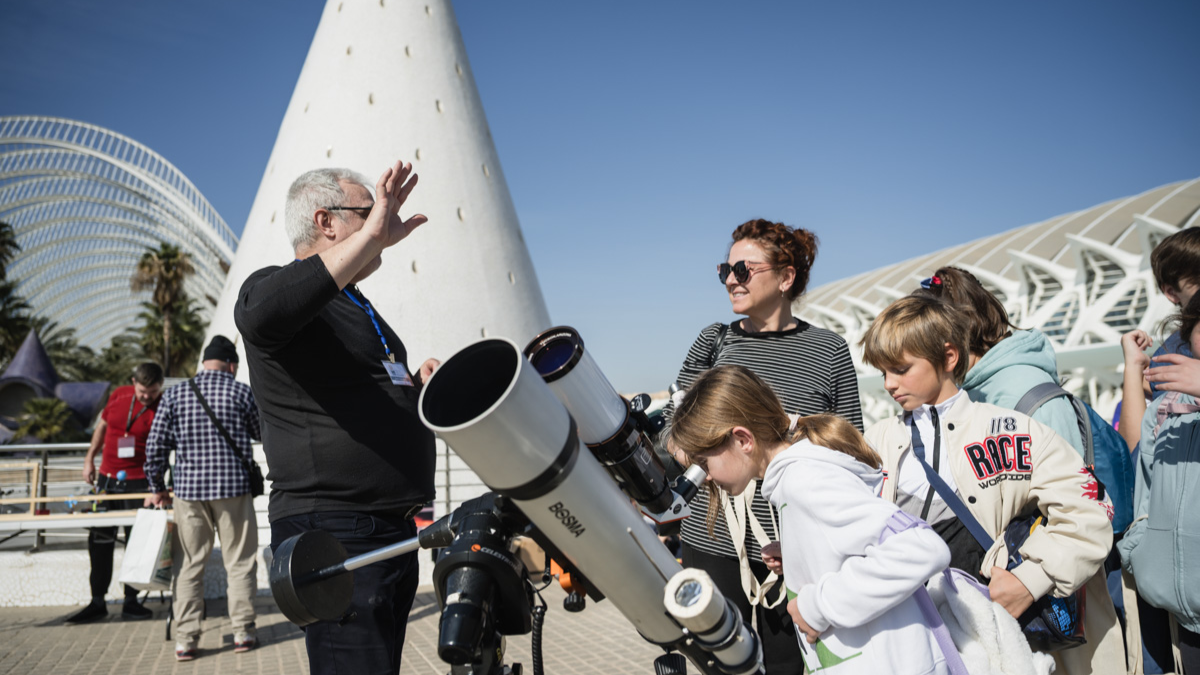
1004, 465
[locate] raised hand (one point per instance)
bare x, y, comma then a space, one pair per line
391, 191
1134, 345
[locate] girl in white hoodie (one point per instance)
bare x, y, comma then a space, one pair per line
850, 587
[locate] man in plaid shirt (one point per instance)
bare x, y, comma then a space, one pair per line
212, 491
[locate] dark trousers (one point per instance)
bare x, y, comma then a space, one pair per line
781, 653
369, 639
102, 541
1189, 650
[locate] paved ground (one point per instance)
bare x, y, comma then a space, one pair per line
597, 641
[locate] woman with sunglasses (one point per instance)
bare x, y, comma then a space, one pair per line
809, 368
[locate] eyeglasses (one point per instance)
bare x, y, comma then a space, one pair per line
741, 270
349, 208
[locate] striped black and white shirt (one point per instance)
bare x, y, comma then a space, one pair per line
809, 369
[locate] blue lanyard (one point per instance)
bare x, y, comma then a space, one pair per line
374, 322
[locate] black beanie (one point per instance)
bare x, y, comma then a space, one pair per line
220, 349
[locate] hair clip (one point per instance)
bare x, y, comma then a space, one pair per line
931, 282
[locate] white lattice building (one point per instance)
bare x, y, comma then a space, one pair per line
85, 203
1082, 278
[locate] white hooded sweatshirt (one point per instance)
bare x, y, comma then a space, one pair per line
856, 592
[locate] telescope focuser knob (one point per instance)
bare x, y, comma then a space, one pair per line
574, 602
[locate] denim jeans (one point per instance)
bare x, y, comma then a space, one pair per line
369, 639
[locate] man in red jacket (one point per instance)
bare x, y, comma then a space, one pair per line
121, 431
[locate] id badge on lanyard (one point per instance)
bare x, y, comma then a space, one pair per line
126, 447
397, 372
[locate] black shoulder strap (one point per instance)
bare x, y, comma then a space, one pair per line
213, 416
717, 344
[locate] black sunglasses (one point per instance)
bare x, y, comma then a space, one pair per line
741, 270
349, 208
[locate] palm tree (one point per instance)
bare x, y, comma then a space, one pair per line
117, 361
14, 320
8, 248
164, 270
73, 361
48, 420
187, 334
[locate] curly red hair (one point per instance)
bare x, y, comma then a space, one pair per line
785, 246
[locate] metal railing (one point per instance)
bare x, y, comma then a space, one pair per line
454, 482
41, 452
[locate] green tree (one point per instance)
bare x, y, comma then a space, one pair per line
163, 270
73, 361
116, 362
48, 420
8, 248
187, 334
14, 320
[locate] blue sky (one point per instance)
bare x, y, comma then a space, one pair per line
636, 136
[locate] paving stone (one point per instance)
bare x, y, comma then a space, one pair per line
34, 640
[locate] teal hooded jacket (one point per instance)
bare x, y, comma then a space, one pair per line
1162, 546
1013, 367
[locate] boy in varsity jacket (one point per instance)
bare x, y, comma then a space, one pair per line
1001, 464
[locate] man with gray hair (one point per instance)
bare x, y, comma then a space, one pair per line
346, 449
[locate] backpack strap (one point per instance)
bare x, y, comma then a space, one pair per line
946, 492
1085, 430
899, 522
1039, 395
718, 344
1047, 391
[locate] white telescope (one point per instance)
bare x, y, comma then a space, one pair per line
491, 406
608, 424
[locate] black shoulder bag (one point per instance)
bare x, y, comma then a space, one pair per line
253, 472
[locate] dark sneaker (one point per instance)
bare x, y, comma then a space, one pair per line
134, 611
93, 612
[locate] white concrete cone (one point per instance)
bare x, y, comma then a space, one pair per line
387, 80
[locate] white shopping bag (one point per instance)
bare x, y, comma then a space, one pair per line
148, 553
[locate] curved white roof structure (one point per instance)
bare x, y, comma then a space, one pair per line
1082, 278
85, 203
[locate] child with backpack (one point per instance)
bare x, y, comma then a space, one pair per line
972, 469
1162, 547
850, 594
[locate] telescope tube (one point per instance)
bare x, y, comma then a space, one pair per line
491, 405
607, 423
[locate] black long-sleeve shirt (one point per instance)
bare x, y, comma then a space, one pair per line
338, 435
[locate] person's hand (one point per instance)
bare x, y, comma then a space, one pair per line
793, 609
1134, 344
393, 188
772, 557
158, 500
427, 369
1180, 374
89, 472
1008, 591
